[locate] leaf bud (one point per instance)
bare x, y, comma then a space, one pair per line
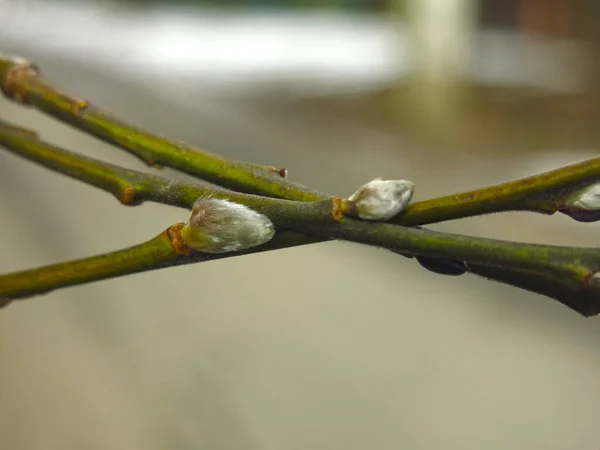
380, 199
584, 204
587, 198
221, 226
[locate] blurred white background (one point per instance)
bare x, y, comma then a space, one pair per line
329, 346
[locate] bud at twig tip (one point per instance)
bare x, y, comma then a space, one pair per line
587, 198
221, 226
381, 199
20, 69
584, 204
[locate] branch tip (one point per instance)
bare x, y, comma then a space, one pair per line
78, 105
14, 81
129, 197
583, 205
27, 132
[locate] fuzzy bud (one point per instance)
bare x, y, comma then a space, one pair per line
221, 226
381, 199
587, 198
583, 205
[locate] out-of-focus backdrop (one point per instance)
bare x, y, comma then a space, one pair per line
328, 346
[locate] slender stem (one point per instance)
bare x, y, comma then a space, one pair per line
543, 193
21, 81
567, 269
568, 274
152, 253
131, 187
321, 217
164, 250
585, 301
571, 266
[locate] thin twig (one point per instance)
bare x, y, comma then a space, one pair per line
21, 81
164, 250
542, 193
586, 301
568, 270
131, 187
571, 269
322, 218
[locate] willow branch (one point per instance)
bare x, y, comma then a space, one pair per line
585, 301
573, 269
21, 81
544, 193
164, 250
322, 218
131, 187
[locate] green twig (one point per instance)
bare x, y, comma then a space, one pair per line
164, 250
131, 187
543, 193
571, 266
570, 269
569, 275
320, 217
154, 253
21, 81
585, 301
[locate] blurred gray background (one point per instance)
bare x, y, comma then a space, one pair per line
328, 346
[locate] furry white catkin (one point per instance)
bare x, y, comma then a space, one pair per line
221, 226
587, 198
382, 199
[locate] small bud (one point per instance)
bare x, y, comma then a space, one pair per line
221, 226
442, 266
583, 205
381, 199
587, 198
